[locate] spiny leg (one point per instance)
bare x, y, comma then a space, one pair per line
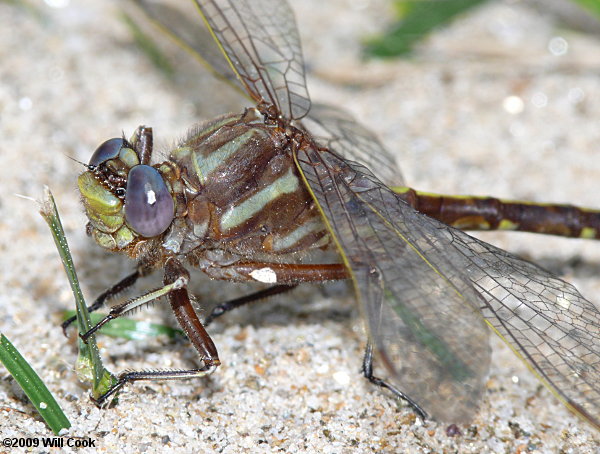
181, 305
109, 293
153, 375
367, 370
227, 306
131, 304
175, 289
278, 273
286, 275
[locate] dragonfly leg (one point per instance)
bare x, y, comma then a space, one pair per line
144, 146
111, 292
181, 305
175, 288
367, 370
235, 303
287, 277
131, 304
278, 273
153, 375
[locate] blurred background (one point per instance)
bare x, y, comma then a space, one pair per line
497, 97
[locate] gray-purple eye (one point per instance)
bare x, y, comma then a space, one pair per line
107, 150
148, 204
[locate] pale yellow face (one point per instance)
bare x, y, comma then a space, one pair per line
105, 212
104, 209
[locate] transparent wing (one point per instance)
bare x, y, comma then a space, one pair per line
260, 40
182, 23
426, 288
336, 129
423, 314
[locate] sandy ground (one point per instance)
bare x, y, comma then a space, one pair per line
505, 102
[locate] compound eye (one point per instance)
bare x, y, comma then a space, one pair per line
107, 150
148, 204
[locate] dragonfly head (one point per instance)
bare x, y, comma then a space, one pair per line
125, 200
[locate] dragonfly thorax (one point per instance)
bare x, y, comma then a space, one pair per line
243, 192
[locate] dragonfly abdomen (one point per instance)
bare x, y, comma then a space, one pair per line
244, 193
489, 213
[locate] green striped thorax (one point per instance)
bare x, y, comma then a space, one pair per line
125, 199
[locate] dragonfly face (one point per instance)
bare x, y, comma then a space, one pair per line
124, 199
247, 191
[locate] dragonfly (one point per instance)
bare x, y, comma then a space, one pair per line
247, 196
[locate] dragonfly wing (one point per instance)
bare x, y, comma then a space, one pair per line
260, 40
337, 130
423, 314
426, 289
181, 23
544, 320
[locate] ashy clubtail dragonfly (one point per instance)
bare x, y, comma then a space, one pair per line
244, 194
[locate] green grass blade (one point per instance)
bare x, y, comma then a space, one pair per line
417, 19
89, 364
127, 328
33, 386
